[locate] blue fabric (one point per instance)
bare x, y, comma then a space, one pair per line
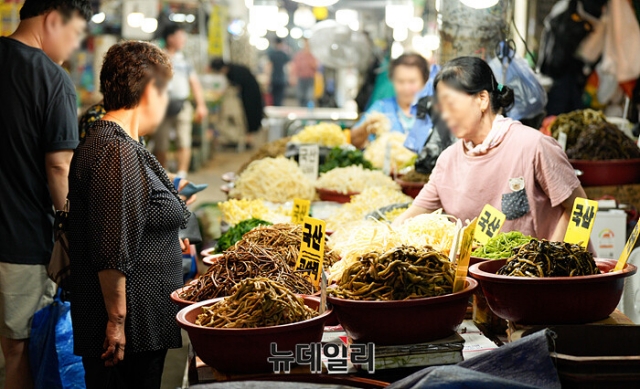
422, 127
53, 364
523, 364
389, 107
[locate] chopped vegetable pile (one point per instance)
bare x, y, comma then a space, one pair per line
339, 157
603, 141
501, 246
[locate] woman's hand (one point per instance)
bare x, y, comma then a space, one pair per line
114, 343
183, 183
184, 244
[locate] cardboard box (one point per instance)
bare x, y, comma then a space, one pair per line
609, 233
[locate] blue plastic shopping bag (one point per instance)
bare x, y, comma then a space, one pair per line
53, 364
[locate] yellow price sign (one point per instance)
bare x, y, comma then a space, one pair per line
583, 215
300, 210
489, 224
628, 248
465, 255
312, 249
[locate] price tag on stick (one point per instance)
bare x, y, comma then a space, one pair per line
312, 249
308, 160
583, 215
628, 248
489, 224
300, 210
465, 255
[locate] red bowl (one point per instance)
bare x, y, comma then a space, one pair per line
175, 296
403, 321
611, 172
208, 252
211, 259
473, 260
245, 350
333, 195
552, 300
410, 188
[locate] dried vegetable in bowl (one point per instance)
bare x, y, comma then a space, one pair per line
413, 176
502, 245
603, 141
541, 258
573, 123
256, 302
401, 273
235, 233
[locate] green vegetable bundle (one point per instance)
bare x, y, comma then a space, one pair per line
501, 246
235, 233
339, 157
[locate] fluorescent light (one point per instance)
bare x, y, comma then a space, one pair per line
296, 33
354, 25
346, 16
416, 24
190, 18
398, 13
282, 32
149, 25
396, 50
479, 4
262, 44
134, 19
283, 18
400, 34
178, 18
317, 3
264, 15
98, 18
303, 17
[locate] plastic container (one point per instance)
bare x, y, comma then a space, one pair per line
404, 321
552, 300
245, 350
335, 196
607, 173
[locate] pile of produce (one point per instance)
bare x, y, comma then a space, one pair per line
235, 233
273, 149
502, 245
364, 203
377, 123
573, 123
400, 156
391, 215
354, 240
343, 157
273, 179
413, 176
323, 134
401, 273
603, 141
354, 179
245, 260
541, 258
234, 211
256, 302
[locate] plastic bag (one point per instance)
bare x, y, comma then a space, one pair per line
53, 364
530, 96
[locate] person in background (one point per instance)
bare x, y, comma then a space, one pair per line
409, 74
250, 93
39, 133
123, 229
497, 161
278, 58
304, 68
179, 112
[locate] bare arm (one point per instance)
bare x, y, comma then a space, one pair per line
201, 106
359, 136
114, 290
412, 212
57, 168
563, 223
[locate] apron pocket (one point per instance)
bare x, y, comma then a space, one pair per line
515, 204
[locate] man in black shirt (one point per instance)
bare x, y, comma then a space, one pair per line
39, 130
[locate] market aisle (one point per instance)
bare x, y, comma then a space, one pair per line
223, 162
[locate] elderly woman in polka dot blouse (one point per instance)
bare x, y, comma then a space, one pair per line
124, 220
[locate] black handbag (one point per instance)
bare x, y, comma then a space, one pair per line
59, 267
175, 107
191, 231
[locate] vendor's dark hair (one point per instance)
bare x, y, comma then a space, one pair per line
472, 75
33, 8
128, 68
217, 64
170, 30
411, 59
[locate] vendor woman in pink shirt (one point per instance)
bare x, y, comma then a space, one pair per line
497, 161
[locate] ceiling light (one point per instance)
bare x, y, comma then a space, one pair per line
398, 12
303, 17
283, 18
296, 33
282, 32
149, 25
134, 19
317, 3
416, 24
98, 18
262, 44
400, 34
479, 4
396, 50
190, 18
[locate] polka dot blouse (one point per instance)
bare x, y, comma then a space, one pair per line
124, 215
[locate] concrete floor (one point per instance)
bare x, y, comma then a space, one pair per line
222, 162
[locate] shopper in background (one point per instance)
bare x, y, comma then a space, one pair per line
498, 161
409, 74
304, 68
250, 94
123, 229
179, 114
278, 59
39, 132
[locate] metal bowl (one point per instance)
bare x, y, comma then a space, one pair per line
245, 350
552, 300
403, 321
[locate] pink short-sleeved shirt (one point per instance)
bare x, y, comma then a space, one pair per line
462, 185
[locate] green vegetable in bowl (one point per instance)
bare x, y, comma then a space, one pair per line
501, 246
235, 233
339, 157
